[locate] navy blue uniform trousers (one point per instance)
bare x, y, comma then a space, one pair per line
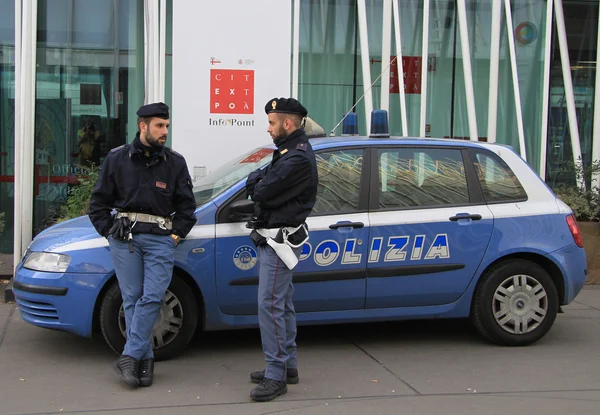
144, 276
276, 314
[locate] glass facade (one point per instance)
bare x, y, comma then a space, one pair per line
331, 73
331, 79
7, 132
90, 81
581, 22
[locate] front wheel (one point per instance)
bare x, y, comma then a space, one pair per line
515, 304
173, 330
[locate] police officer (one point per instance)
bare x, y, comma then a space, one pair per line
145, 182
284, 194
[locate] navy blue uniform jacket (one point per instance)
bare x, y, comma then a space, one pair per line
131, 181
286, 190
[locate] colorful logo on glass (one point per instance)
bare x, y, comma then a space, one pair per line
525, 33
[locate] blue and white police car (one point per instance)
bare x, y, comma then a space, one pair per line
402, 229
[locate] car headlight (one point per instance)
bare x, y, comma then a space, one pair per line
45, 261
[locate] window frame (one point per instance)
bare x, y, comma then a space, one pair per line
473, 155
363, 191
475, 193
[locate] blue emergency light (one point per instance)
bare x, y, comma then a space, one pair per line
379, 124
350, 125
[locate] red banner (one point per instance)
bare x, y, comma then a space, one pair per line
411, 75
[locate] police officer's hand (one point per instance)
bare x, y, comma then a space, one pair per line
175, 238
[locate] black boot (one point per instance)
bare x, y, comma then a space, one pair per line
146, 372
292, 376
127, 368
268, 390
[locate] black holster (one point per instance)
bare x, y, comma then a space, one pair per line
294, 238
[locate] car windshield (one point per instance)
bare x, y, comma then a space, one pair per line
221, 179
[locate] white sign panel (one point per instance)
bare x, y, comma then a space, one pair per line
229, 58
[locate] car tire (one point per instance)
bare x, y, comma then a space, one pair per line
515, 303
181, 310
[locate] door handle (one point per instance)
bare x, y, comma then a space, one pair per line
355, 225
465, 216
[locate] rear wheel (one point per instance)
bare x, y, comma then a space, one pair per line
515, 304
173, 330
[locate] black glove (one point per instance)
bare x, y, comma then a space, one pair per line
258, 239
121, 228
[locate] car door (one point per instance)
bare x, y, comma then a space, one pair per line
331, 274
430, 227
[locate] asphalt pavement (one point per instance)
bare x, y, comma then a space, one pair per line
419, 367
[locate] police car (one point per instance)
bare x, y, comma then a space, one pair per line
402, 229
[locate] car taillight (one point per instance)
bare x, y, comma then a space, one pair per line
575, 230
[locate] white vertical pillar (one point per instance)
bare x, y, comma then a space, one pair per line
466, 52
147, 45
494, 68
162, 50
116, 62
568, 84
515, 78
546, 90
296, 50
28, 77
596, 128
365, 59
398, 37
18, 139
424, 68
386, 50
151, 46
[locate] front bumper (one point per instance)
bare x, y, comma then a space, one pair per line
60, 301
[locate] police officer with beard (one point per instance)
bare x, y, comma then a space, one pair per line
284, 194
150, 187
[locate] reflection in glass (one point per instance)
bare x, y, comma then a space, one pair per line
421, 177
89, 85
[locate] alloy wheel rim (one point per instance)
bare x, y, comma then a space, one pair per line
520, 304
168, 324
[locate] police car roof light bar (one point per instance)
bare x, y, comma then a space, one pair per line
379, 124
350, 125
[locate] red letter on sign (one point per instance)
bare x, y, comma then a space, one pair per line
239, 83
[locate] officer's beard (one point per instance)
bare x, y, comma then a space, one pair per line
280, 135
154, 142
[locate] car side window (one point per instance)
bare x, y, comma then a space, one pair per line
498, 182
421, 177
339, 181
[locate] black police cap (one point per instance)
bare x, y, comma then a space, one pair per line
158, 109
286, 106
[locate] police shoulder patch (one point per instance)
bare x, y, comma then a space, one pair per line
174, 152
114, 150
301, 147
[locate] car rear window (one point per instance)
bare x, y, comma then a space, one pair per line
498, 181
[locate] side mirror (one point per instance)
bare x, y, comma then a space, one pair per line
241, 210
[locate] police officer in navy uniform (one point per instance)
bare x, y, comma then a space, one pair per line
284, 194
150, 188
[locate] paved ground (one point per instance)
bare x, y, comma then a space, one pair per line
402, 368
6, 264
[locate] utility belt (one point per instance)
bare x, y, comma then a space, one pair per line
125, 221
162, 222
283, 241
